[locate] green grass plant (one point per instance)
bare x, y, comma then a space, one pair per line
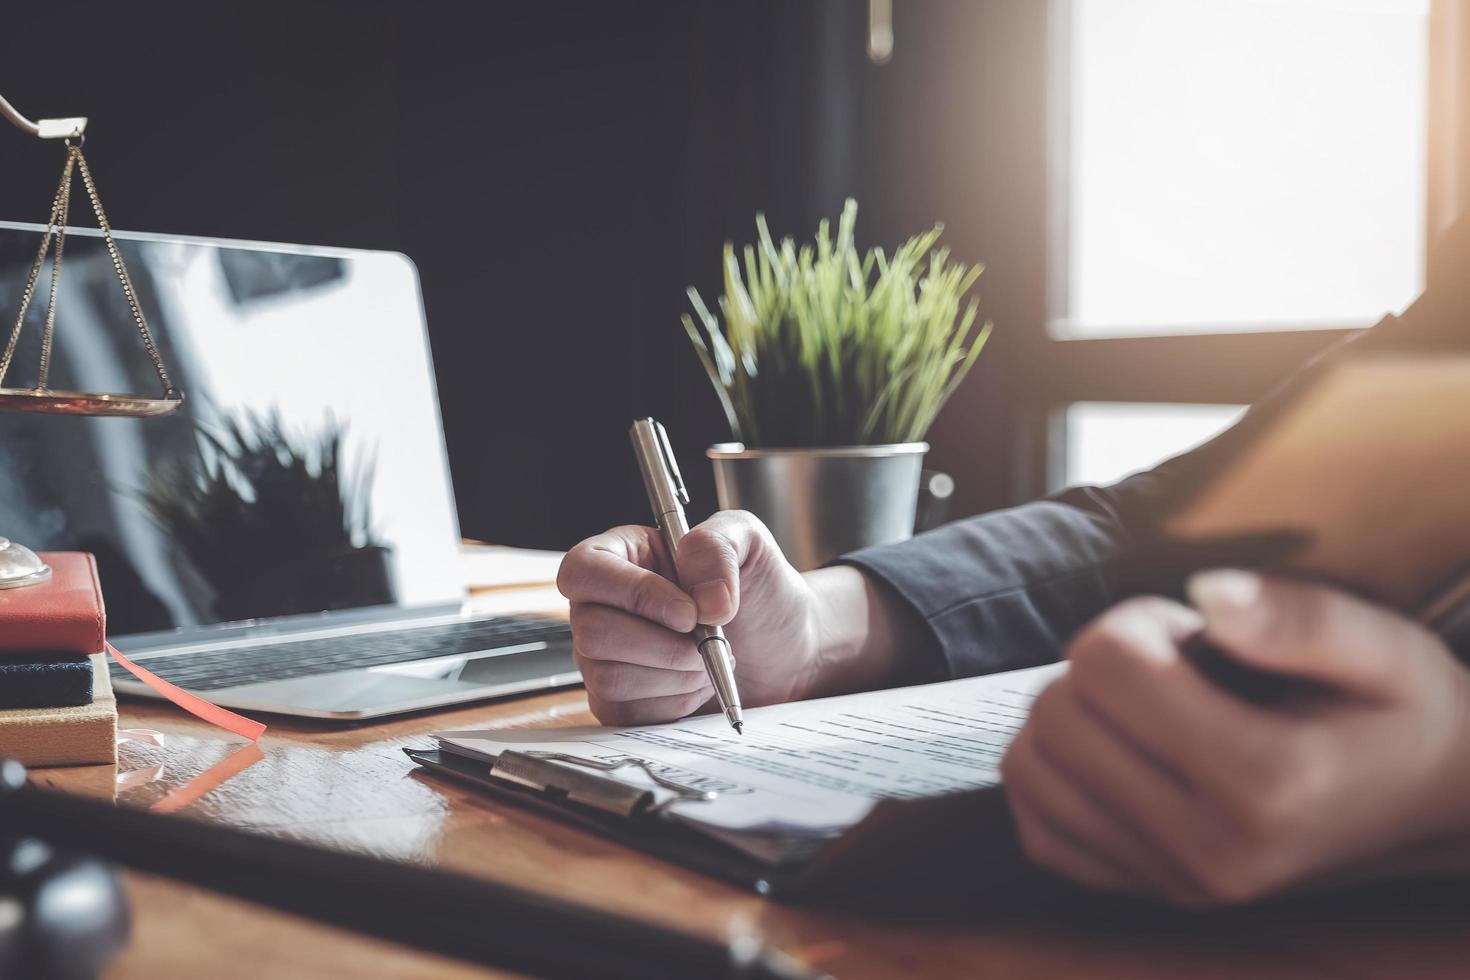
822, 346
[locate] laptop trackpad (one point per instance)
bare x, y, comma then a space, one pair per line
375, 691
491, 668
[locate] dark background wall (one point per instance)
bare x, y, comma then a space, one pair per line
560, 171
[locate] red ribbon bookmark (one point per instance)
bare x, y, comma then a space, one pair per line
196, 706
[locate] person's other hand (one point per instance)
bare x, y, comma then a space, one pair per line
1136, 774
630, 622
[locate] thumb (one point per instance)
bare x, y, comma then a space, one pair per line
709, 561
1308, 631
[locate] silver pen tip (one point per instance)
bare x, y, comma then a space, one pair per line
739, 727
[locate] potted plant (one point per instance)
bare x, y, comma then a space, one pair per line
831, 366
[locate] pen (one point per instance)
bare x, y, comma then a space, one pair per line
667, 496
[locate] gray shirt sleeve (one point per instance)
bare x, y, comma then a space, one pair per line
1008, 589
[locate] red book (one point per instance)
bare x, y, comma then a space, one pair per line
64, 615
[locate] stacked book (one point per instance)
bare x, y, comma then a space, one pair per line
56, 702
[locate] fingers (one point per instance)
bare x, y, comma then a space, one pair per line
710, 559
1312, 632
1054, 850
1044, 806
1230, 797
636, 672
1127, 667
630, 623
1093, 789
649, 711
616, 682
605, 633
620, 568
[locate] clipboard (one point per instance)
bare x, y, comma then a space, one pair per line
610, 809
959, 846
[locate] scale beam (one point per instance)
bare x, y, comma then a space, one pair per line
69, 127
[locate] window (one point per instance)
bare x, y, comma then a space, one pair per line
1109, 440
1235, 184
1233, 163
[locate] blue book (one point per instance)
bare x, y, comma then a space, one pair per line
46, 681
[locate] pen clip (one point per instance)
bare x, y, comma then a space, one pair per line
671, 466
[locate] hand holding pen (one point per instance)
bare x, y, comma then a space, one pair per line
632, 624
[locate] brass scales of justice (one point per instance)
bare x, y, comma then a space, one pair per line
19, 566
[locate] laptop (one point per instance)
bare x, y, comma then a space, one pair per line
286, 542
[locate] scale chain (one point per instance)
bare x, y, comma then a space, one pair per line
169, 391
43, 375
25, 299
56, 229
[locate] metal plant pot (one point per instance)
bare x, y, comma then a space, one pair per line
821, 503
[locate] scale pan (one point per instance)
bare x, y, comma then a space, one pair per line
49, 402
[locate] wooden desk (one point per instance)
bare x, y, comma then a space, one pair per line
353, 788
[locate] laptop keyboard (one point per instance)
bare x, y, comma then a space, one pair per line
212, 670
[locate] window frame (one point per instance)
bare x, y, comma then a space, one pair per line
1238, 367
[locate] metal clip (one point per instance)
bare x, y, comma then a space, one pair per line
671, 464
576, 785
681, 791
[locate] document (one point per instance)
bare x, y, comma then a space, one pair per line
808, 769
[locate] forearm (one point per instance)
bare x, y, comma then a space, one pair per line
866, 636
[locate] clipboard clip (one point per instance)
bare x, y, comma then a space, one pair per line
560, 774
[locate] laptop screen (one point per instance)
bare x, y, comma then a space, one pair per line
305, 472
